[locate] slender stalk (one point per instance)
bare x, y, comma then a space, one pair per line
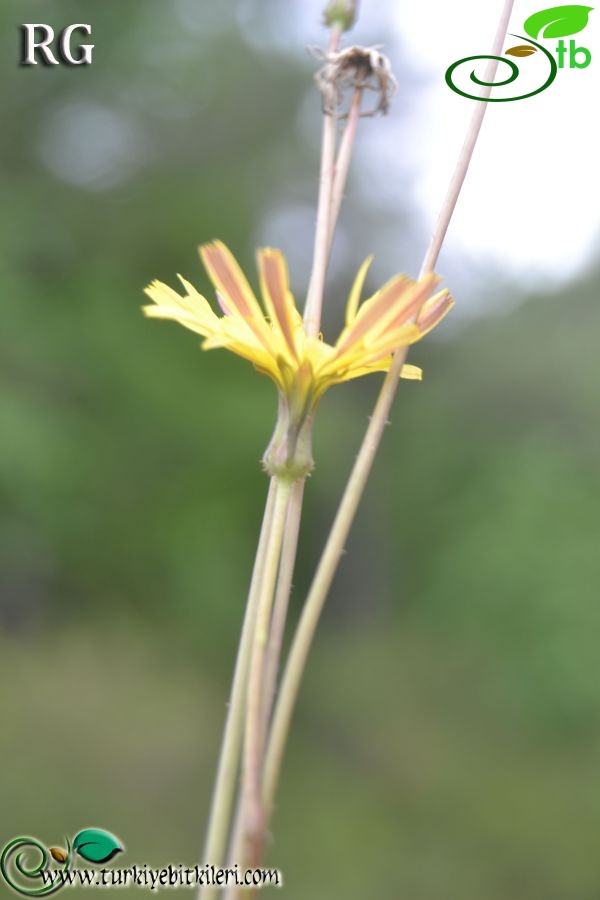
278, 620
313, 606
462, 166
234, 853
266, 647
342, 164
314, 296
332, 181
362, 467
218, 823
254, 825
273, 650
282, 596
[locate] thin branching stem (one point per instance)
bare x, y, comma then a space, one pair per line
282, 596
254, 821
249, 826
277, 629
342, 164
227, 772
362, 467
464, 159
316, 284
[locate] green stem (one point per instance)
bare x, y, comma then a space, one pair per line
253, 813
219, 818
278, 619
235, 846
323, 577
282, 596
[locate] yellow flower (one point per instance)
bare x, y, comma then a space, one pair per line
398, 314
302, 367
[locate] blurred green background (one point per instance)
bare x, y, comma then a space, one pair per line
447, 737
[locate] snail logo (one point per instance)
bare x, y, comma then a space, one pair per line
40, 879
556, 22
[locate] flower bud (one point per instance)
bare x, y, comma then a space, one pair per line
341, 13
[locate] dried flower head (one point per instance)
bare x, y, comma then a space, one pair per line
351, 69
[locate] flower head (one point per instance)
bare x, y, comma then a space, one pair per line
398, 314
302, 367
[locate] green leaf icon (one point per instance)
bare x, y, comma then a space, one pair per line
96, 845
558, 21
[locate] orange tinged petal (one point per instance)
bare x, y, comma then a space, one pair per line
229, 279
434, 311
415, 300
275, 288
236, 294
396, 303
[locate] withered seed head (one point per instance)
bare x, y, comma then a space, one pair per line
355, 68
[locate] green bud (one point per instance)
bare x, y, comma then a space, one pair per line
341, 13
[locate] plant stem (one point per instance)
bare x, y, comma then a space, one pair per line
218, 826
253, 814
331, 186
360, 472
314, 296
342, 164
278, 619
462, 166
258, 654
282, 596
235, 846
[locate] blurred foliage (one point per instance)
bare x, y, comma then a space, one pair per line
448, 734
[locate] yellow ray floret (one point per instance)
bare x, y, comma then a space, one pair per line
397, 315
